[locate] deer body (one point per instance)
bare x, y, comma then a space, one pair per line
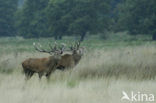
44, 66
69, 60
66, 61
36, 64
41, 66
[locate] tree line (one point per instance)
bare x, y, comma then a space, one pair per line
57, 18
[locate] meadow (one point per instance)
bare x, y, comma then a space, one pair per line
107, 68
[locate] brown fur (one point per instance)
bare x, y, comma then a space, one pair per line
47, 65
40, 65
69, 60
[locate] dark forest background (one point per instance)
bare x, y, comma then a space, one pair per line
58, 18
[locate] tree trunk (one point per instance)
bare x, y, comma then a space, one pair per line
83, 36
59, 37
55, 37
154, 36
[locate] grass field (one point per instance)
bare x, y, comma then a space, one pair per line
107, 68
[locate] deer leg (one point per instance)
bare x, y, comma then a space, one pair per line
49, 73
40, 75
50, 70
61, 67
31, 74
28, 74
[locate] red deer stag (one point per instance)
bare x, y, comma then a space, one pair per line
43, 66
71, 60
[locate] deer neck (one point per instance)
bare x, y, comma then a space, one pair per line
53, 60
76, 58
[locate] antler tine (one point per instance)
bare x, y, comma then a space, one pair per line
75, 45
72, 46
60, 49
55, 46
78, 45
63, 47
42, 48
50, 46
39, 49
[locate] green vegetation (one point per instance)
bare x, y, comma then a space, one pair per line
106, 69
53, 18
31, 20
138, 17
7, 19
68, 17
122, 39
120, 54
111, 55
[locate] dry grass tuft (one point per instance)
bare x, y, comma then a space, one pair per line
97, 90
100, 77
130, 62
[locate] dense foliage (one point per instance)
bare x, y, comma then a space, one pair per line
31, 19
137, 16
70, 17
7, 9
45, 18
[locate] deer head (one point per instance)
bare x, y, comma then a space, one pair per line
71, 60
76, 49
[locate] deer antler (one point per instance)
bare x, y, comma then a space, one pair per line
75, 46
53, 49
62, 48
40, 49
78, 45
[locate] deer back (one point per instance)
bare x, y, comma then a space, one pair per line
36, 64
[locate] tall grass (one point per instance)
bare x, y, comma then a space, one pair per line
133, 62
106, 69
130, 62
96, 90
